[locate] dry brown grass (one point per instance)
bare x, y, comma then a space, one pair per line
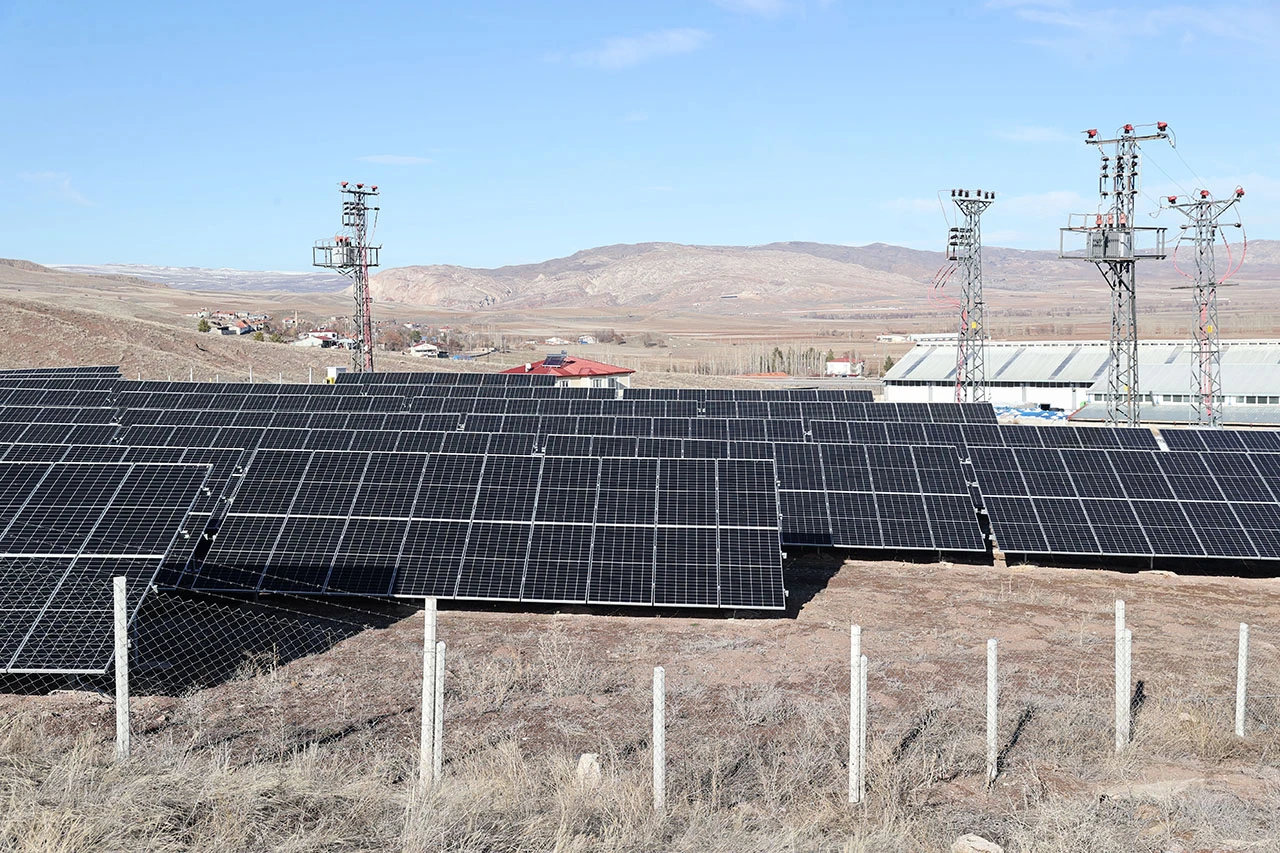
319, 752
754, 767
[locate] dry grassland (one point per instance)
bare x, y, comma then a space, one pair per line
319, 753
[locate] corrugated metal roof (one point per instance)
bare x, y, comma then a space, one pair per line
1248, 367
1031, 362
1238, 380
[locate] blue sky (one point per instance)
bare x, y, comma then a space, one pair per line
214, 135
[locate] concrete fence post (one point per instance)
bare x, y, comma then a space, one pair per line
862, 727
855, 713
993, 756
122, 667
1128, 681
1242, 677
437, 740
1122, 679
426, 757
659, 739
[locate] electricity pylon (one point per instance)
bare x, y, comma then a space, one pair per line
964, 246
1114, 244
1201, 231
351, 255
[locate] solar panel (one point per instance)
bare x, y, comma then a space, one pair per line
1260, 440
1219, 530
68, 529
1033, 478
1243, 477
1067, 529
1140, 475
1167, 528
1016, 524
1116, 527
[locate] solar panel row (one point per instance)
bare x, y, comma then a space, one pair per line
138, 404
479, 525
1132, 503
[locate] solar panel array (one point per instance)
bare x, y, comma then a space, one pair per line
508, 487
661, 425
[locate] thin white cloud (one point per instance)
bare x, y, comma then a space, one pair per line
56, 186
1032, 133
635, 116
763, 8
1068, 21
395, 159
620, 52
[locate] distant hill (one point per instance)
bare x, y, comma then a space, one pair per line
684, 278
721, 278
218, 280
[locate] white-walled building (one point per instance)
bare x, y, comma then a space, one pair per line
844, 367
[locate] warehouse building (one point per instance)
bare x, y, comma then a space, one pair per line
1072, 375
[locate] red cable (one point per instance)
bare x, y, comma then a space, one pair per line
1176, 268
1244, 247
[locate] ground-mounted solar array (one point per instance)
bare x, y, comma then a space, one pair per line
512, 488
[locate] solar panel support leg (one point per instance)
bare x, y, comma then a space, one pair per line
1242, 676
122, 668
437, 741
427, 756
659, 739
993, 756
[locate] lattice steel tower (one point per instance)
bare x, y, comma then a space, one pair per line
351, 254
1113, 243
1201, 232
964, 246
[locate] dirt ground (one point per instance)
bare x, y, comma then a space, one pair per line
757, 714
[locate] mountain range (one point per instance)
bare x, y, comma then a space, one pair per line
715, 279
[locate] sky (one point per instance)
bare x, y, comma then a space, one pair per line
215, 135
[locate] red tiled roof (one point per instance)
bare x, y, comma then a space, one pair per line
573, 367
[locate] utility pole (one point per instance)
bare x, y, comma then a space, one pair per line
351, 255
1114, 244
1201, 232
964, 246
